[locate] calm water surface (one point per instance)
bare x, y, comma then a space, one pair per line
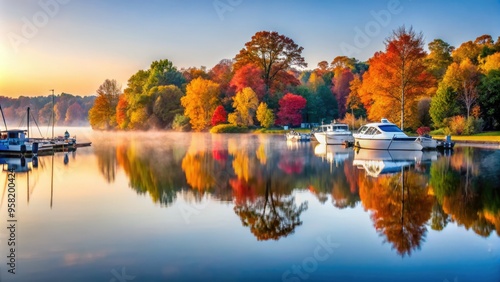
198, 207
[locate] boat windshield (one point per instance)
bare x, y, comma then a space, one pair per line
390, 128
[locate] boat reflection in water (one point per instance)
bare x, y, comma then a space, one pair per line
376, 162
334, 154
18, 164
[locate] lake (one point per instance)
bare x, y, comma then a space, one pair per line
146, 206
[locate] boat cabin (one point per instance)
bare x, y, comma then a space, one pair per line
14, 136
333, 127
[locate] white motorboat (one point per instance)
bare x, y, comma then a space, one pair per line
387, 136
334, 134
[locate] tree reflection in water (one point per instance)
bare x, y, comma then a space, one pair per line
271, 216
259, 175
400, 208
466, 186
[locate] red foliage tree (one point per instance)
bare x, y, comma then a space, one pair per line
341, 89
249, 76
222, 74
284, 81
291, 106
220, 116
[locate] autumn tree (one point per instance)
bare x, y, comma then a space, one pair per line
291, 106
315, 81
245, 104
249, 76
492, 62
340, 63
439, 58
273, 53
74, 114
341, 89
102, 115
193, 72
222, 73
467, 50
322, 68
121, 112
220, 116
353, 102
396, 78
202, 97
265, 115
463, 79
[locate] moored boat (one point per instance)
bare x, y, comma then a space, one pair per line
295, 136
334, 134
15, 142
385, 135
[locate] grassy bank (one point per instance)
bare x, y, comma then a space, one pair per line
485, 137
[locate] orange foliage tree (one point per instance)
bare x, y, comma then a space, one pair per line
202, 97
396, 77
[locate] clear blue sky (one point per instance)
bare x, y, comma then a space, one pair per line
72, 46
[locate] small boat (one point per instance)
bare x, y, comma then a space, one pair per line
387, 136
334, 134
295, 136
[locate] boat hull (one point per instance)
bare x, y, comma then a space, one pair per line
328, 138
407, 144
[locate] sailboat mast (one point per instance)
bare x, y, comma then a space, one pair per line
53, 114
3, 117
28, 121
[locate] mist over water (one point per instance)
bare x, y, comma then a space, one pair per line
170, 206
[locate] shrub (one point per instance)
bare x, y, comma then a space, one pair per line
473, 126
457, 125
181, 123
349, 119
228, 128
423, 130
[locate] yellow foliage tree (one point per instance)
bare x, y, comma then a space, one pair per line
202, 97
265, 115
245, 104
492, 62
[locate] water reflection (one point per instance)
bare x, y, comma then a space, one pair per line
467, 188
404, 192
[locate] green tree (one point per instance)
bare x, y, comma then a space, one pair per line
202, 97
265, 116
245, 104
443, 105
490, 97
439, 58
166, 104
